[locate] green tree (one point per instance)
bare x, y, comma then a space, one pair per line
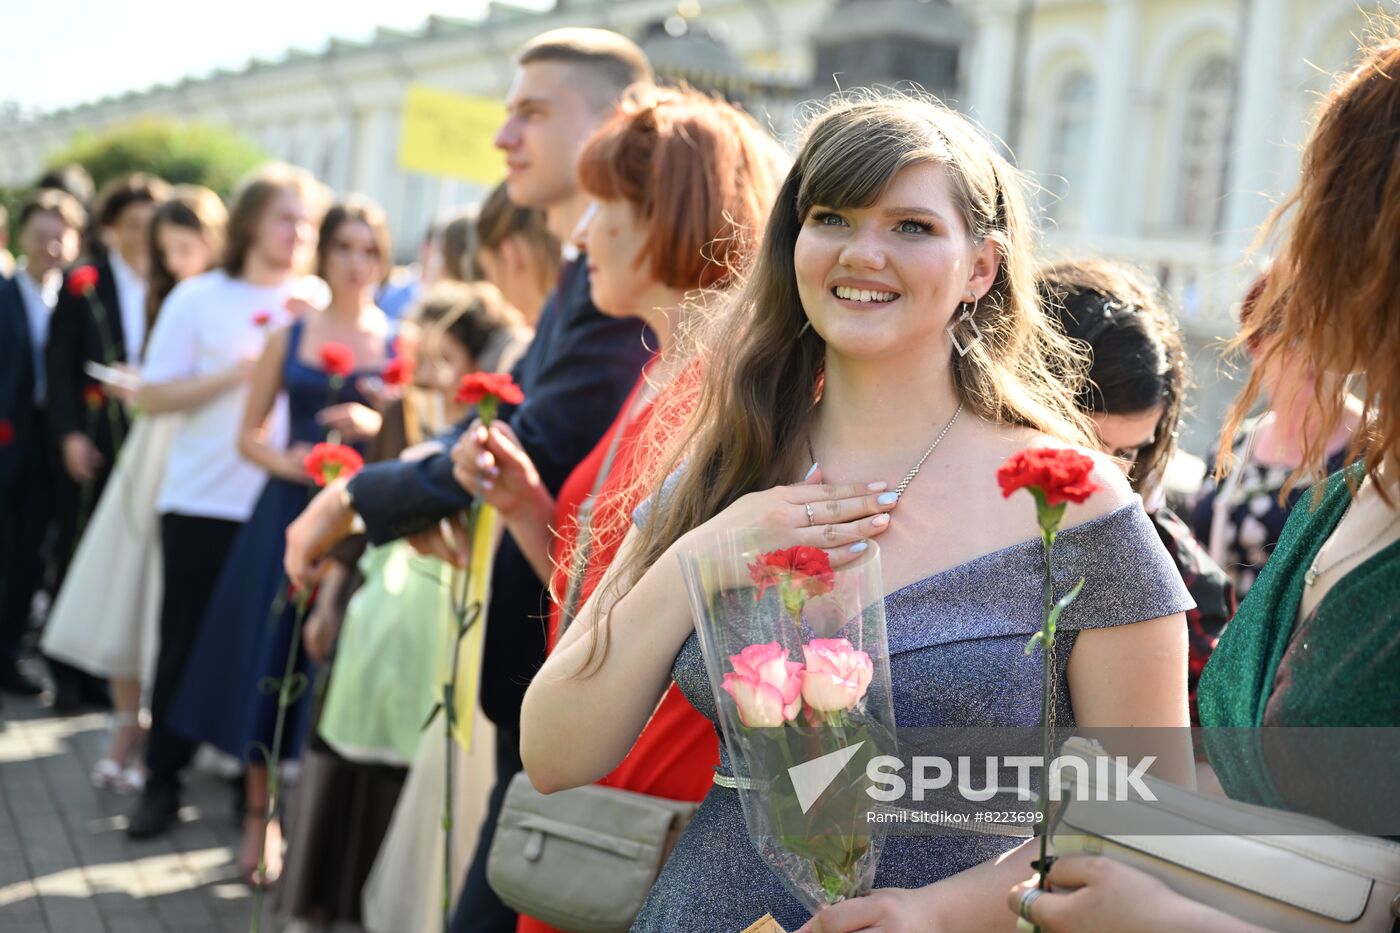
188, 153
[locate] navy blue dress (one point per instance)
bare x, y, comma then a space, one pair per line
247, 631
957, 658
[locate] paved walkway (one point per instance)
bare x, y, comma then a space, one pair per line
66, 863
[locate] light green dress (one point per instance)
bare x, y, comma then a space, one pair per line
391, 659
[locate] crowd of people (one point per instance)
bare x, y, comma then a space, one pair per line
709, 334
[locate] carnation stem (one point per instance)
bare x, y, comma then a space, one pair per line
460, 610
1047, 637
274, 754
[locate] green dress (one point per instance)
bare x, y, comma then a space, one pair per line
1340, 667
391, 658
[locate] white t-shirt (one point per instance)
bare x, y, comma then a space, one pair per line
206, 325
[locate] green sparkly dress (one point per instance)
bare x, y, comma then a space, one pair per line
1340, 667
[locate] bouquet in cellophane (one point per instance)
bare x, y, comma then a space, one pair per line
799, 663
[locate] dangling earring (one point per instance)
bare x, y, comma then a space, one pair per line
805, 327
965, 318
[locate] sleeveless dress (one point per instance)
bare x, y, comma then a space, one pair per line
247, 632
957, 658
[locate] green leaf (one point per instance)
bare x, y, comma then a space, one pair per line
1062, 605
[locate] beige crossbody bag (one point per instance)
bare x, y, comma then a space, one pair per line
582, 860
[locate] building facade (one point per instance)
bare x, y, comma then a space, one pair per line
1158, 131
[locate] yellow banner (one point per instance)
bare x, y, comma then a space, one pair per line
445, 133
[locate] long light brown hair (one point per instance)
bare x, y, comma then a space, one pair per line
193, 207
252, 200
1331, 292
762, 369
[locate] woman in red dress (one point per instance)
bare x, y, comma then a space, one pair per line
680, 183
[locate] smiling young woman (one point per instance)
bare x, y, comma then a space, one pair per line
890, 305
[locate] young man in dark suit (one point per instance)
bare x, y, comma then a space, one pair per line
50, 223
106, 324
575, 376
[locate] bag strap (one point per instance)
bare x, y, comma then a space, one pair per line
583, 538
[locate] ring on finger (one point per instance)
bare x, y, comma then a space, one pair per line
811, 519
1028, 897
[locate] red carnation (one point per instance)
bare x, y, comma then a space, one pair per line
329, 462
800, 573
477, 386
405, 345
262, 318
7, 432
337, 359
82, 280
93, 396
398, 371
1059, 474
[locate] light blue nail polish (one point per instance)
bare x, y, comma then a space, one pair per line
859, 546
889, 498
810, 472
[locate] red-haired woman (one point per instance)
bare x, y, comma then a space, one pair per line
1317, 641
679, 184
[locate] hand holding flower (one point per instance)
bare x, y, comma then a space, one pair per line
351, 420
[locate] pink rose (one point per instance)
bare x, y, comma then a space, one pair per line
837, 675
765, 685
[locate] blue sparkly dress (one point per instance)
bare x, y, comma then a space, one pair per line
247, 632
957, 658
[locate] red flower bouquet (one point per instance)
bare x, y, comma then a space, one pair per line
798, 661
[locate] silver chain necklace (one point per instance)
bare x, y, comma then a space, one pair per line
908, 477
1314, 571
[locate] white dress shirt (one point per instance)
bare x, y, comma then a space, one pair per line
39, 301
131, 295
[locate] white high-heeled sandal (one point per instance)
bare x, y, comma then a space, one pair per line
109, 774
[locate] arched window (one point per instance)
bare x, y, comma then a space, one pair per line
1205, 137
1067, 156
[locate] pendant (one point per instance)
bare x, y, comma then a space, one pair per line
1310, 577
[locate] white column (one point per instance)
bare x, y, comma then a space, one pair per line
1113, 126
1258, 130
994, 48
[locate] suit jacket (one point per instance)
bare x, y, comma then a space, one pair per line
576, 375
80, 332
16, 384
